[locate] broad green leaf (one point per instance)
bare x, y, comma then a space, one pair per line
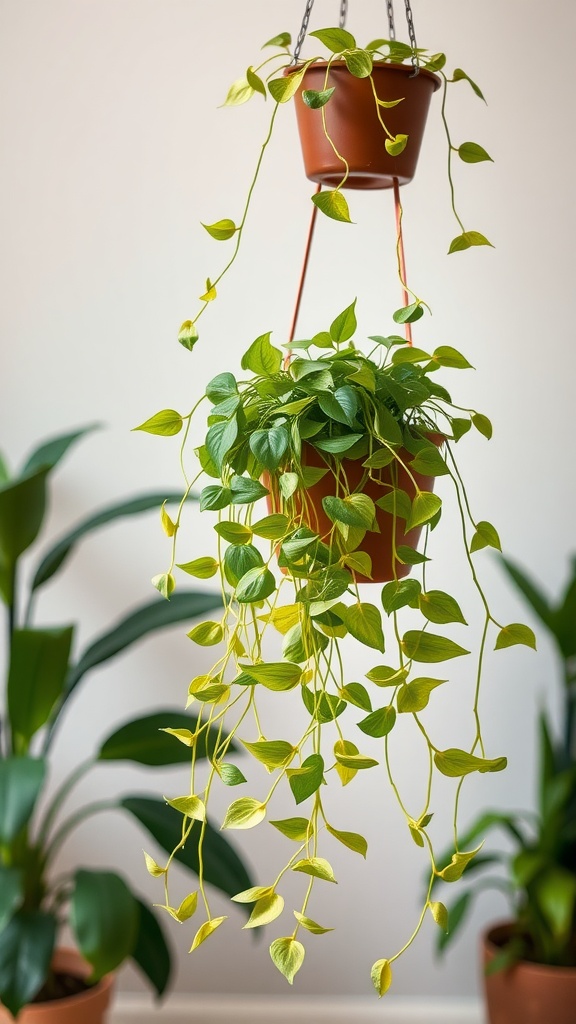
424, 508
221, 387
200, 568
21, 780
445, 355
485, 536
410, 354
472, 153
357, 762
262, 358
310, 925
345, 748
253, 894
151, 953
460, 427
364, 622
456, 763
221, 230
165, 423
245, 490
381, 975
352, 840
429, 462
22, 509
515, 633
357, 694
304, 781
283, 89
409, 314
429, 647
213, 498
455, 869
246, 812
318, 867
466, 240
234, 533
440, 915
271, 753
220, 439
323, 707
255, 82
359, 63
436, 62
482, 424
49, 453
337, 445
344, 326
396, 502
289, 483
341, 406
11, 892
383, 675
207, 634
281, 675
256, 585
298, 829
333, 204
152, 740
268, 446
439, 607
230, 774
354, 510
394, 147
265, 911
283, 39
26, 948
288, 956
189, 806
379, 723
399, 593
205, 931
555, 894
460, 76
104, 917
36, 677
359, 562
409, 556
335, 39
238, 560
315, 98
414, 696
239, 92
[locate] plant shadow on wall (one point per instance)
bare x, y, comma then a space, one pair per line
109, 921
345, 447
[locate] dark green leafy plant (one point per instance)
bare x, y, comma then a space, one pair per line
109, 921
539, 867
329, 412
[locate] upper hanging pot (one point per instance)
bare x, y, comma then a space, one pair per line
354, 127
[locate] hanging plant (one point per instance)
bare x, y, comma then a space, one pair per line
372, 432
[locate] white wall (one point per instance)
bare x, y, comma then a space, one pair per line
112, 151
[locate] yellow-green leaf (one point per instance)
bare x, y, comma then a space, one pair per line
381, 975
239, 92
298, 829
206, 634
244, 813
188, 335
165, 423
205, 931
201, 568
440, 915
271, 753
353, 840
396, 145
333, 204
265, 910
455, 763
152, 867
318, 867
455, 869
168, 525
310, 925
165, 584
192, 806
288, 956
515, 633
252, 895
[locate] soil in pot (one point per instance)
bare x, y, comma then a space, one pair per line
68, 999
528, 993
353, 125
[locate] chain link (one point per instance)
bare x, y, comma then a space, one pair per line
391, 26
343, 13
303, 31
411, 35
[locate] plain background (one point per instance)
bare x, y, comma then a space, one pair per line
113, 150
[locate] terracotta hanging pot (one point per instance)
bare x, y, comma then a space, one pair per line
353, 125
378, 546
527, 993
87, 1007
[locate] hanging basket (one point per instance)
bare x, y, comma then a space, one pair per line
352, 124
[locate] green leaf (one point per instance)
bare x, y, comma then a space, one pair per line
456, 763
239, 92
460, 427
238, 560
246, 812
357, 762
187, 335
271, 753
220, 439
48, 454
256, 585
11, 892
200, 568
245, 490
304, 781
283, 39
213, 498
283, 89
359, 63
379, 723
354, 510
265, 911
439, 607
531, 592
396, 502
268, 446
253, 894
310, 925
445, 355
317, 867
394, 147
381, 975
429, 462
400, 593
409, 556
255, 82
281, 675
460, 76
21, 780
382, 675
36, 678
424, 508
555, 894
315, 99
189, 806
357, 694
485, 536
440, 915
221, 230
460, 861
222, 865
364, 622
515, 633
151, 953
165, 584
26, 948
414, 696
104, 918
22, 508
466, 240
337, 445
165, 423
341, 406
323, 707
335, 39
272, 527
233, 533
207, 634
472, 153
429, 647
409, 314
333, 204
230, 774
297, 829
205, 931
352, 840
482, 424
288, 956
262, 358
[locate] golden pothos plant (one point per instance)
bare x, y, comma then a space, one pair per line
379, 423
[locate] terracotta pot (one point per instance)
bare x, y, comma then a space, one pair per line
89, 1007
528, 993
353, 125
377, 545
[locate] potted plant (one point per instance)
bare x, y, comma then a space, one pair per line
345, 447
109, 921
531, 959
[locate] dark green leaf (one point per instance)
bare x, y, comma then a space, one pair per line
11, 892
315, 99
151, 952
337, 445
304, 781
213, 498
143, 741
47, 455
269, 445
409, 314
104, 916
399, 593
221, 387
256, 585
26, 947
379, 723
530, 591
22, 507
238, 560
220, 439
21, 779
245, 490
37, 673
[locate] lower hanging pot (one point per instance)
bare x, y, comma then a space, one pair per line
527, 993
89, 1006
380, 546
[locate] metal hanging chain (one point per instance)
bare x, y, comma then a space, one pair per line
343, 13
391, 25
411, 35
302, 32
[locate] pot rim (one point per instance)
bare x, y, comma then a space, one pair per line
377, 66
525, 965
83, 971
